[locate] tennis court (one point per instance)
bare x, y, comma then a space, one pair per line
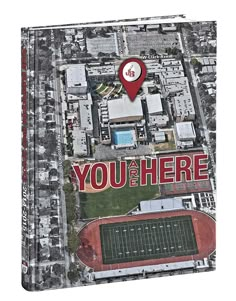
147, 239
185, 187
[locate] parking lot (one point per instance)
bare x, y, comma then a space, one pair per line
144, 41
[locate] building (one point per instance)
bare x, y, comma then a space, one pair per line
124, 110
144, 270
161, 205
155, 111
105, 135
169, 28
159, 137
185, 134
166, 68
154, 104
85, 114
153, 26
79, 142
76, 81
159, 121
184, 108
175, 86
205, 201
122, 123
100, 73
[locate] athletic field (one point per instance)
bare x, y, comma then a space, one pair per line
147, 239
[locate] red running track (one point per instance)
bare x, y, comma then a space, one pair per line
90, 252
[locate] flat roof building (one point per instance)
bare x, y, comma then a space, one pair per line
154, 104
124, 110
79, 142
99, 72
161, 205
159, 137
85, 111
158, 120
76, 79
184, 108
185, 131
142, 270
173, 86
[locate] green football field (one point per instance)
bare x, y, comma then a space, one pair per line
147, 239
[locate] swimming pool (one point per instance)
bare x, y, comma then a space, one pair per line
123, 137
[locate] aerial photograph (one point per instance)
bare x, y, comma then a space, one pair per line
95, 207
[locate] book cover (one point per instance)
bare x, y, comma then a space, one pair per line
118, 151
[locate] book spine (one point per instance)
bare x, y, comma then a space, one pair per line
25, 157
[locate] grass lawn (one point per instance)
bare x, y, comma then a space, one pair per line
115, 201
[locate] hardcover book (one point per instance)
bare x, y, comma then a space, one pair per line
118, 151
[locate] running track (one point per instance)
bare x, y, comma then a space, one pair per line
90, 252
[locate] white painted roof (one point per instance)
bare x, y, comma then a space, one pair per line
185, 130
154, 103
161, 204
75, 75
124, 108
144, 269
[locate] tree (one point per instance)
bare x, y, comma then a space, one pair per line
68, 188
67, 167
212, 125
168, 50
73, 274
89, 32
73, 240
194, 61
58, 269
101, 54
152, 52
113, 54
103, 33
196, 64
212, 136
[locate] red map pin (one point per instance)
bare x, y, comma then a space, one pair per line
132, 73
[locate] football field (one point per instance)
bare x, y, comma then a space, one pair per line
147, 239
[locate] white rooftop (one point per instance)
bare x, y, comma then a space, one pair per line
184, 105
75, 75
85, 111
79, 142
154, 103
161, 205
144, 269
159, 120
101, 70
123, 108
185, 130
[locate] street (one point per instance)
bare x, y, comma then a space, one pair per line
192, 77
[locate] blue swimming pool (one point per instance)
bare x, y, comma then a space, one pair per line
122, 137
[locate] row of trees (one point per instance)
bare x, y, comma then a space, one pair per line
169, 50
70, 197
73, 238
